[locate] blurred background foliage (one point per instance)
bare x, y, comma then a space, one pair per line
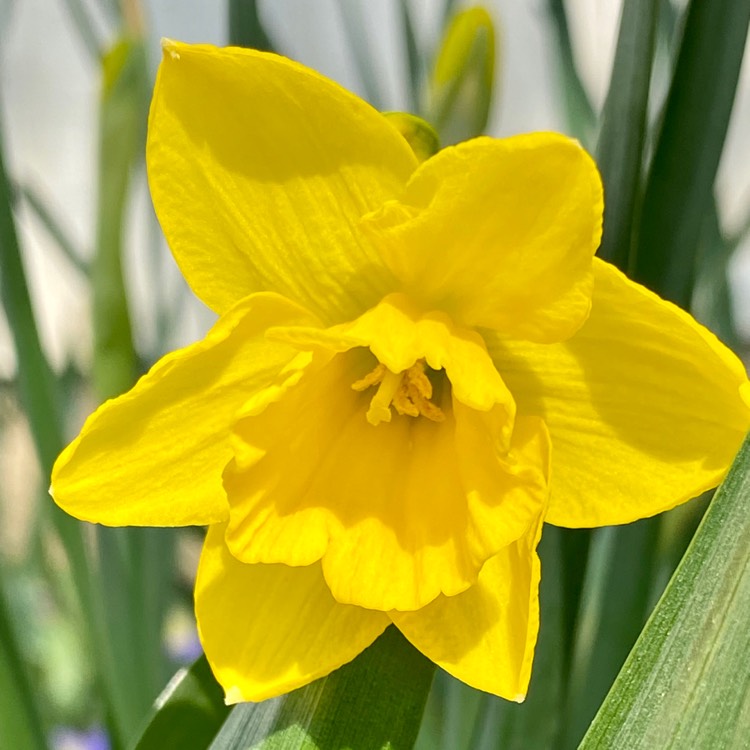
94, 621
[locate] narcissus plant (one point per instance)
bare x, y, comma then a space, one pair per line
414, 366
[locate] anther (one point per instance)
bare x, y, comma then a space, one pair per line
409, 392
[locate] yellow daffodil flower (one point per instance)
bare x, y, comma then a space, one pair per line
414, 365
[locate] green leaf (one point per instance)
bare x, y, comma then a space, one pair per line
245, 26
536, 723
614, 607
419, 134
189, 712
122, 129
20, 721
619, 151
413, 58
686, 684
134, 571
580, 113
82, 20
678, 193
712, 302
453, 710
462, 80
54, 228
36, 382
373, 703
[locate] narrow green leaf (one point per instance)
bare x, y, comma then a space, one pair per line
678, 193
614, 607
54, 227
453, 710
413, 57
687, 681
122, 129
188, 714
134, 570
20, 720
580, 113
245, 27
373, 703
419, 134
36, 381
536, 723
448, 7
619, 151
81, 17
712, 302
461, 86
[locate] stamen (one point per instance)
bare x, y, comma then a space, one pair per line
372, 378
409, 392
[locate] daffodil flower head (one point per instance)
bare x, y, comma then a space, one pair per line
414, 365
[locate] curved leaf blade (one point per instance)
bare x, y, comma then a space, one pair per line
678, 193
687, 681
372, 703
188, 714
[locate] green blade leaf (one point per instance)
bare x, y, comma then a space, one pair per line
54, 228
535, 723
189, 712
130, 653
619, 150
614, 607
580, 113
36, 381
122, 128
418, 133
678, 194
413, 57
461, 85
245, 27
20, 722
687, 681
372, 703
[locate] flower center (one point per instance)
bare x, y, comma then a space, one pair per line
409, 392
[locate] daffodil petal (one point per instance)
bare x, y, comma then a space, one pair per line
260, 169
268, 629
499, 233
397, 512
154, 456
644, 406
485, 636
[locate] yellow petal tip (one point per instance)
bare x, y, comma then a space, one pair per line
169, 47
519, 698
233, 695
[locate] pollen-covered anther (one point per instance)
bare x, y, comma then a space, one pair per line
409, 392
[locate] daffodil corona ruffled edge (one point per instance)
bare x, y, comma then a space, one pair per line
502, 375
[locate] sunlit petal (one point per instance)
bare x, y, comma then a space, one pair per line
154, 456
260, 169
644, 406
268, 629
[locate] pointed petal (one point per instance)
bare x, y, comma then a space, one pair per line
485, 636
154, 456
268, 629
499, 233
644, 406
260, 169
397, 512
